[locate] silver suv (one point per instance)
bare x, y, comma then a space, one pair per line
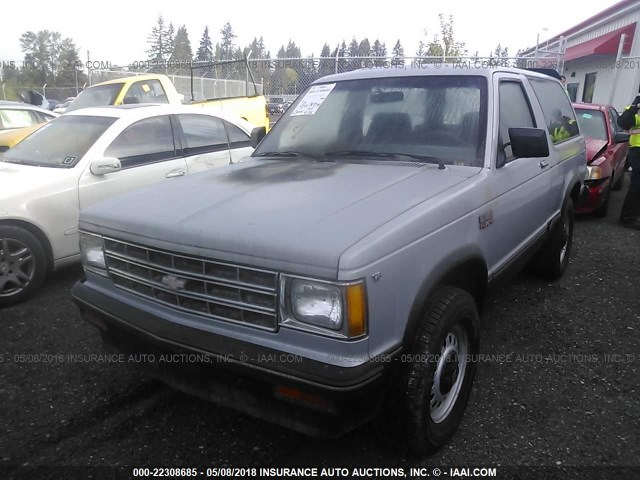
341, 270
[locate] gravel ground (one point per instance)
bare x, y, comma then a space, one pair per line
580, 408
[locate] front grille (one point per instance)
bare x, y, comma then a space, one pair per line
208, 288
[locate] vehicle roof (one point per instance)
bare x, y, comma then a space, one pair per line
428, 70
591, 106
8, 105
139, 111
130, 79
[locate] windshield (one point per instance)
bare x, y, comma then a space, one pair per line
60, 143
98, 96
431, 118
592, 124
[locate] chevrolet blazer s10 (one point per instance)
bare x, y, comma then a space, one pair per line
340, 271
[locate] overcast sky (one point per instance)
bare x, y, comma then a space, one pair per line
116, 31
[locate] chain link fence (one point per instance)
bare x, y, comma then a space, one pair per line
288, 77
275, 77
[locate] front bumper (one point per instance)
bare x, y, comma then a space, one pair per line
266, 383
593, 195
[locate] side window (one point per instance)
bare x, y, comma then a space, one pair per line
237, 138
146, 141
146, 91
515, 111
203, 133
560, 118
12, 118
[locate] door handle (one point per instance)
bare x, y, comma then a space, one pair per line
543, 164
179, 172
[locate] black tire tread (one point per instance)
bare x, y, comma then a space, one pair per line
545, 262
434, 314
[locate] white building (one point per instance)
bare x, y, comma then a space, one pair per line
600, 57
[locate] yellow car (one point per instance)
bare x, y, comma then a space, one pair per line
10, 137
157, 88
18, 120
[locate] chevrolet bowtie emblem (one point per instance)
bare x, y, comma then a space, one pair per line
173, 282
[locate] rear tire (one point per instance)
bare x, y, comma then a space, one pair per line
602, 210
437, 376
553, 259
23, 265
620, 183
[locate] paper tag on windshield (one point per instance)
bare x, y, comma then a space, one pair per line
313, 99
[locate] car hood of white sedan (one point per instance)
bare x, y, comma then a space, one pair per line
18, 181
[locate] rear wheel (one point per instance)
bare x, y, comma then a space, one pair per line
437, 376
22, 265
552, 261
619, 183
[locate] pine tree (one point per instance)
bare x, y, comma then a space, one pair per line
292, 51
326, 67
205, 50
160, 41
227, 44
364, 49
397, 54
69, 72
379, 50
182, 46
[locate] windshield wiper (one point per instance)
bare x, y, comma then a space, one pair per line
286, 154
366, 153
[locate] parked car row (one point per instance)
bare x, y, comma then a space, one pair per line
89, 155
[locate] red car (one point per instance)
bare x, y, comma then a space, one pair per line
607, 146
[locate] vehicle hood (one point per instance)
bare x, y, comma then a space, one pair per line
594, 146
30, 182
272, 213
11, 137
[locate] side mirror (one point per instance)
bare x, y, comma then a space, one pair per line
621, 137
257, 134
528, 142
130, 100
105, 165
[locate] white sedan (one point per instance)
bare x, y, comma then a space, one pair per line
86, 156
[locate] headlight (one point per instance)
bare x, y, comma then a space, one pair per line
593, 173
92, 253
334, 309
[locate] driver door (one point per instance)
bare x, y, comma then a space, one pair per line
148, 155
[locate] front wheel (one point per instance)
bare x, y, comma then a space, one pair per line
22, 265
437, 375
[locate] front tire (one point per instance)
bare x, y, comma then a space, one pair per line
603, 209
437, 376
23, 265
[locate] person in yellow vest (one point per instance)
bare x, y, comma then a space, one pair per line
630, 120
562, 127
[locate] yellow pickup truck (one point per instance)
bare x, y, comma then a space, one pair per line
156, 88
